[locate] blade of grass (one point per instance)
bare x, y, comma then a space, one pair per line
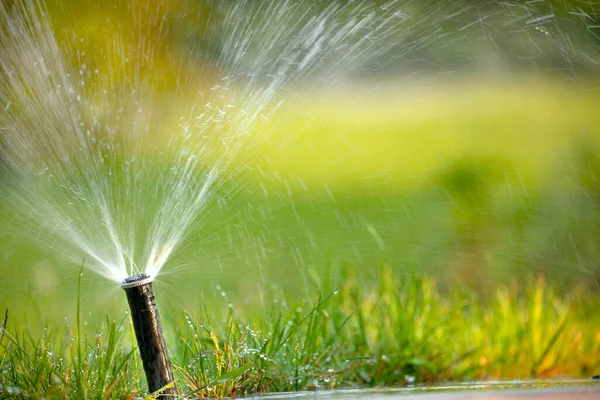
3, 329
549, 345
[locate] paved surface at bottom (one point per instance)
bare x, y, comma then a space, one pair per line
550, 394
583, 392
572, 393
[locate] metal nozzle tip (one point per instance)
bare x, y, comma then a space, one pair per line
136, 280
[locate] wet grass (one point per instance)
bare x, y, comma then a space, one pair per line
400, 331
465, 220
488, 183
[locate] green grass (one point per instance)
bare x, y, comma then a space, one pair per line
467, 192
456, 302
464, 207
402, 330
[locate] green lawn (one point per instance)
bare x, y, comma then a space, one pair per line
399, 331
429, 234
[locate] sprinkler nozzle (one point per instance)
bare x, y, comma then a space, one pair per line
149, 335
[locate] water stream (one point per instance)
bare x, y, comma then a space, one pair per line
124, 131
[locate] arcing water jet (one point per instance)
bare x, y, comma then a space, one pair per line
149, 335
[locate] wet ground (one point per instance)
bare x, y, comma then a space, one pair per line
522, 390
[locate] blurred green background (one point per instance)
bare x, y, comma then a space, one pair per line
472, 158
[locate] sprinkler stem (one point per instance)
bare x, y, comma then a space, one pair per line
149, 335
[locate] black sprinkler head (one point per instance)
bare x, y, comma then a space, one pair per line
149, 335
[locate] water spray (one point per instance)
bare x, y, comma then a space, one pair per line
149, 335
